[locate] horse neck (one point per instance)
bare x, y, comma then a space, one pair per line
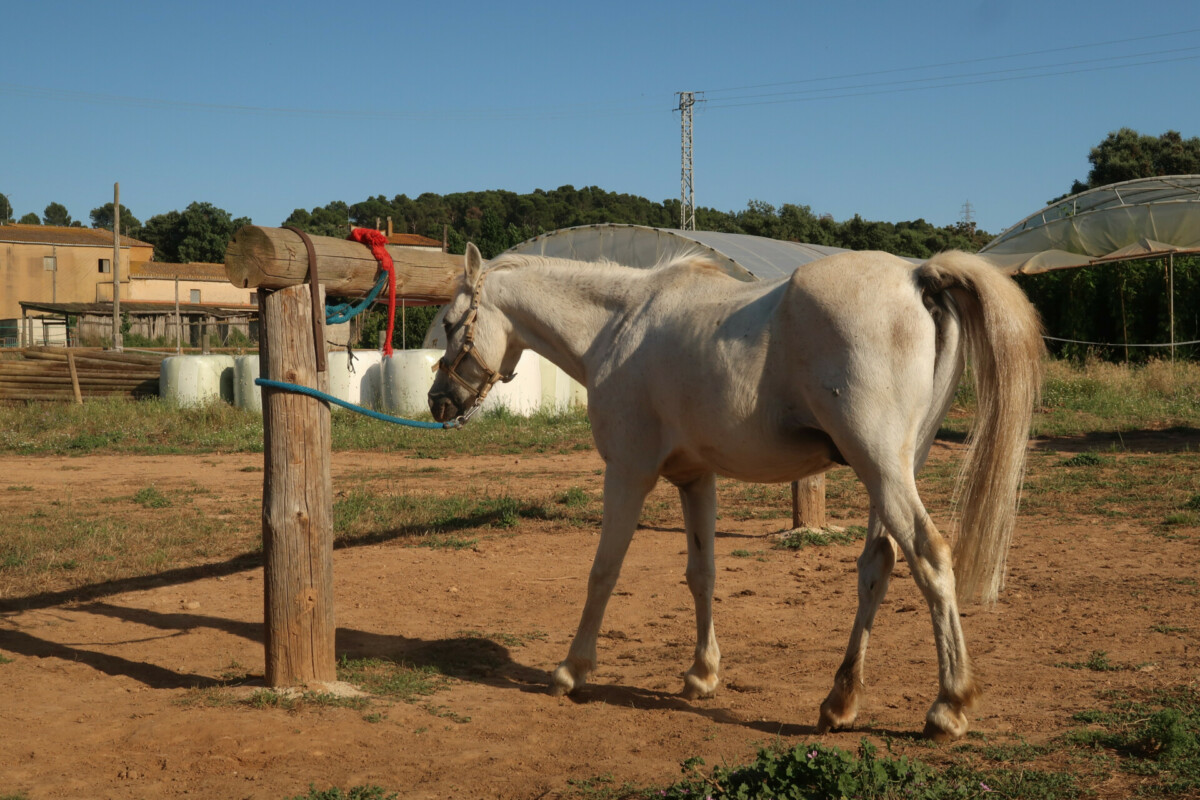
558, 309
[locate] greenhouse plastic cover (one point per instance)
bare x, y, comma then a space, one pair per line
743, 256
1143, 218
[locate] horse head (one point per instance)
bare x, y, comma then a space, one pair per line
479, 347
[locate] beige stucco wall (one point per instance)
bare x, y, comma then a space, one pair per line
77, 279
163, 290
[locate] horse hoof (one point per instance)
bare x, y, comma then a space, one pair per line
563, 682
944, 723
837, 715
695, 688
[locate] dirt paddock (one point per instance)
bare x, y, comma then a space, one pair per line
101, 694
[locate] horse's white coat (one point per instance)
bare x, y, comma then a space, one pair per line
855, 358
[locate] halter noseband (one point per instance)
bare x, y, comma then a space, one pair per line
490, 376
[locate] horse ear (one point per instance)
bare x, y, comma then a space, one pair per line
474, 263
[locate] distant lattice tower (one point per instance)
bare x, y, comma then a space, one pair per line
968, 213
687, 192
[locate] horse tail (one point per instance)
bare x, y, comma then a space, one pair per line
1002, 336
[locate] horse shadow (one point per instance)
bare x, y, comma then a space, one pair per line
472, 659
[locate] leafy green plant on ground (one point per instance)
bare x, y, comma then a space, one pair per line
818, 772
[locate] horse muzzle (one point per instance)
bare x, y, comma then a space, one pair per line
443, 406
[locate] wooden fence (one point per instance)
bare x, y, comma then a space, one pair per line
59, 373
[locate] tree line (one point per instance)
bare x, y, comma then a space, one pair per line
1116, 303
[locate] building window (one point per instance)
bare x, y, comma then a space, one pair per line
50, 263
106, 265
254, 298
194, 297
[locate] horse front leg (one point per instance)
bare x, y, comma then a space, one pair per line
699, 500
624, 494
875, 564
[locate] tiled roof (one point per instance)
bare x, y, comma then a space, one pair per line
55, 235
195, 271
413, 240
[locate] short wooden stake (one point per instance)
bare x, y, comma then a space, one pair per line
297, 498
74, 378
808, 502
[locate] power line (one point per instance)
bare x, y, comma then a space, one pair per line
957, 63
985, 74
734, 97
948, 82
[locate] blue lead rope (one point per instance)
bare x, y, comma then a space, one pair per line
344, 312
298, 389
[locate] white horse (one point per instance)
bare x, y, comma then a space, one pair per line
691, 373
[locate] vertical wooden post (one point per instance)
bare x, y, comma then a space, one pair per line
297, 497
808, 502
118, 344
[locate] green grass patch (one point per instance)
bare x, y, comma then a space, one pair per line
1097, 661
574, 497
391, 679
1086, 459
151, 498
810, 537
298, 701
371, 792
506, 639
152, 426
364, 516
1157, 738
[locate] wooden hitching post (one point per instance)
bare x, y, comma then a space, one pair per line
297, 498
808, 502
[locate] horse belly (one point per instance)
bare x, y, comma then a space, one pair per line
788, 456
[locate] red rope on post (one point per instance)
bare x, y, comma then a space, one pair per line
377, 241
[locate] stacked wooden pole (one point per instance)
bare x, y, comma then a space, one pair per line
59, 373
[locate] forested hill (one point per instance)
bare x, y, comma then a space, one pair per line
496, 220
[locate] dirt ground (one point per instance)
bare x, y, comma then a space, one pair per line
101, 697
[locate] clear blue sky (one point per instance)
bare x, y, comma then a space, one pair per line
261, 108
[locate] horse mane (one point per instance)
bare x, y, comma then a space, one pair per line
691, 259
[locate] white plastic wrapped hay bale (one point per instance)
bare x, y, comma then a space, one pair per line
195, 380
354, 377
246, 395
560, 392
523, 394
405, 379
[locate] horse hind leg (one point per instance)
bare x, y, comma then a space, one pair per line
875, 564
624, 495
699, 500
930, 561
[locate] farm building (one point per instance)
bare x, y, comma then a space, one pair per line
50, 274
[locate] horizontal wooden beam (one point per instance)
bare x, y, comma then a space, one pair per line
275, 258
